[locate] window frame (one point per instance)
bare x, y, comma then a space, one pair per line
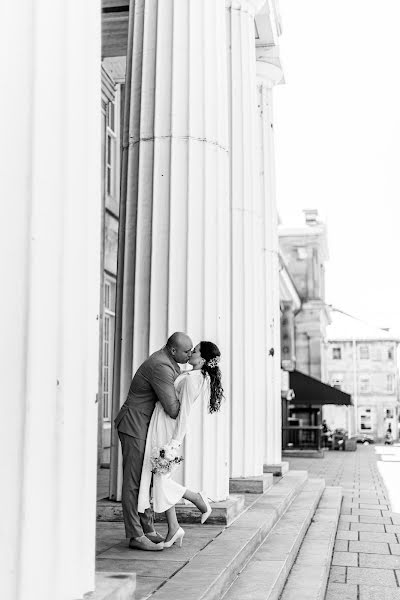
107, 349
336, 349
111, 149
366, 420
362, 380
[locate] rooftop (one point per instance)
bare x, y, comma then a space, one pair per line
346, 327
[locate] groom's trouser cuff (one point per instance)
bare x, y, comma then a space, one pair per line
133, 453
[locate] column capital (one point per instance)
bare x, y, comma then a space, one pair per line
269, 68
250, 6
268, 74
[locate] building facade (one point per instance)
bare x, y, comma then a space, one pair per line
188, 183
363, 361
111, 126
304, 250
304, 348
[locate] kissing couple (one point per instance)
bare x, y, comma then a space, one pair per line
152, 424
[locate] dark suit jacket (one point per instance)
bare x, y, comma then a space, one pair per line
154, 380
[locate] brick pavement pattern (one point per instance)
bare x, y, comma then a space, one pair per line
366, 559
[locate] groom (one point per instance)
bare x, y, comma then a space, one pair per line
154, 380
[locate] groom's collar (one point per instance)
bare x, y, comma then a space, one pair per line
174, 363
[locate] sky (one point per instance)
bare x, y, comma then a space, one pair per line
337, 139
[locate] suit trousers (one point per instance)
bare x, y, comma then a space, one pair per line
136, 524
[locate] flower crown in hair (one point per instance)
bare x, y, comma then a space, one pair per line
213, 362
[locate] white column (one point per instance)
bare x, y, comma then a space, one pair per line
176, 253
248, 364
267, 76
50, 245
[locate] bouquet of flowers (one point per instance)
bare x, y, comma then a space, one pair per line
164, 459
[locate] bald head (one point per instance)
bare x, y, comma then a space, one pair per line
180, 346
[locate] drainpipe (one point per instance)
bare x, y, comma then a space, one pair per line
308, 353
355, 398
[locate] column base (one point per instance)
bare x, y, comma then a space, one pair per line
277, 468
250, 485
304, 453
223, 513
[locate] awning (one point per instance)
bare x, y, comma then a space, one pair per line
312, 391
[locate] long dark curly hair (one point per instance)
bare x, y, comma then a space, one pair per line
210, 352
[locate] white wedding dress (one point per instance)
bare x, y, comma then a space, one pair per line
190, 386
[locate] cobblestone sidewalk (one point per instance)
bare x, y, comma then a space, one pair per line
366, 559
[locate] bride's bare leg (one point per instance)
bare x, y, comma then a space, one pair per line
196, 499
172, 521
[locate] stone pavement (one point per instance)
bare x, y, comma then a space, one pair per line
152, 569
366, 559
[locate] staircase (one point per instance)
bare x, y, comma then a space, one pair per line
280, 547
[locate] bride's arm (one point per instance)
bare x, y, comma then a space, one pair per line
188, 392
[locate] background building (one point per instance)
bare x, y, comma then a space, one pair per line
304, 250
363, 361
304, 320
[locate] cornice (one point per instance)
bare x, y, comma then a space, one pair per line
251, 7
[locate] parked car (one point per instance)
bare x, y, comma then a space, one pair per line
363, 438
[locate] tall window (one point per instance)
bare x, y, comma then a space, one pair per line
336, 353
390, 353
364, 352
108, 347
389, 383
364, 383
366, 420
377, 355
110, 150
106, 368
337, 381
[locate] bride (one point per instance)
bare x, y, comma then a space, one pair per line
201, 384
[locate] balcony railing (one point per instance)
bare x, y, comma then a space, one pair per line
301, 438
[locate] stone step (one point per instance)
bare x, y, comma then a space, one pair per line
211, 572
223, 513
278, 469
308, 578
113, 586
251, 485
264, 577
298, 453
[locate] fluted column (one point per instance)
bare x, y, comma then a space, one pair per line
175, 244
248, 365
267, 76
50, 259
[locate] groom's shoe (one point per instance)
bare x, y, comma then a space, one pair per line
143, 543
154, 537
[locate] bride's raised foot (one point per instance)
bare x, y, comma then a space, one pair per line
207, 512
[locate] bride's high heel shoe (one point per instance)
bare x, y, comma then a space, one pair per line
177, 538
206, 514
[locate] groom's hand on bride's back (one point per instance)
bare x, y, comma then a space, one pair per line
163, 378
